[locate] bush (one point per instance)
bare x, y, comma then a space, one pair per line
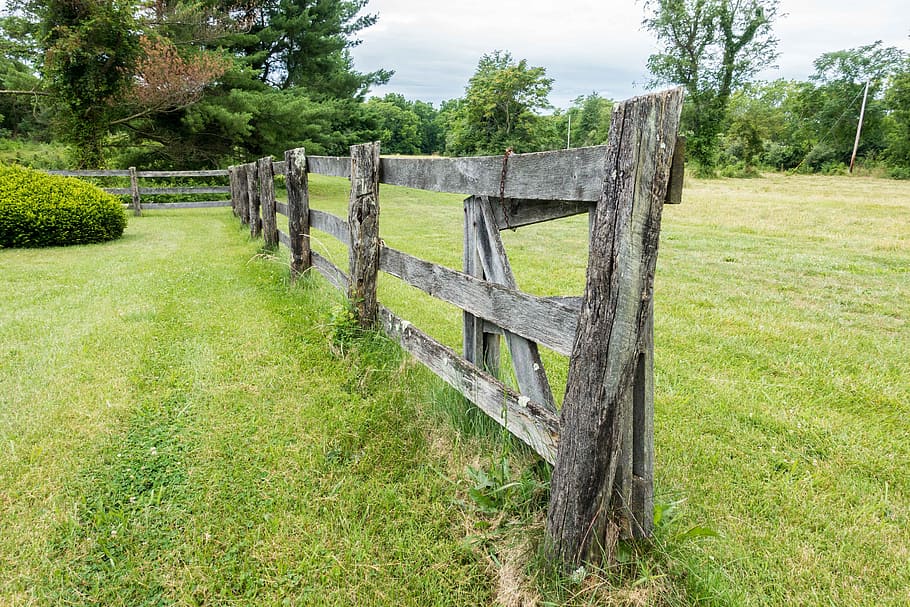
40, 210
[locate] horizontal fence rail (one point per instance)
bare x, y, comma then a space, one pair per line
601, 440
135, 191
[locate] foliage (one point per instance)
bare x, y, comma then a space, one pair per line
40, 210
711, 47
586, 122
397, 126
499, 107
90, 54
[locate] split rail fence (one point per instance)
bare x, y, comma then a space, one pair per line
136, 191
601, 440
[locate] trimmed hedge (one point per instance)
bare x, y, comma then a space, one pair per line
41, 210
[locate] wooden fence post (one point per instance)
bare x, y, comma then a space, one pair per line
235, 193
243, 202
587, 514
480, 348
252, 184
134, 192
298, 211
268, 202
363, 217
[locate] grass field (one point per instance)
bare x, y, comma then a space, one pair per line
177, 425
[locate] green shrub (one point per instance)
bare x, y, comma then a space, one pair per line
40, 210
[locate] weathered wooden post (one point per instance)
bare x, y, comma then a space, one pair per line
235, 190
134, 192
363, 218
589, 510
480, 347
243, 202
268, 202
252, 184
298, 211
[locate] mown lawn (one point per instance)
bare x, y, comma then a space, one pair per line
178, 425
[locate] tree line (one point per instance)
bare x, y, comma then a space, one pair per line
189, 84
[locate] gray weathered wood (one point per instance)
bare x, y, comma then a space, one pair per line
203, 204
481, 347
574, 174
252, 184
134, 193
334, 166
585, 514
243, 201
363, 219
284, 239
677, 173
216, 189
235, 190
206, 173
331, 272
336, 226
533, 423
111, 173
526, 362
268, 203
298, 211
534, 318
568, 301
642, 502
281, 208
513, 213
279, 167
120, 192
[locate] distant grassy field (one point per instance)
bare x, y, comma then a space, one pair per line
177, 425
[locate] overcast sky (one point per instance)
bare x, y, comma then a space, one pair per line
585, 45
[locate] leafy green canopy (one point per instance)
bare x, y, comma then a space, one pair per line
40, 210
498, 111
710, 47
90, 52
292, 84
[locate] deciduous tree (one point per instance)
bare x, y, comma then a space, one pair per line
710, 47
499, 107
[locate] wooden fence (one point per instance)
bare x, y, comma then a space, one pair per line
135, 191
601, 440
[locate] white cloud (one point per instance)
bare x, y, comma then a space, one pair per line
585, 45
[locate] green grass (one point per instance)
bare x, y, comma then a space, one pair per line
175, 428
178, 425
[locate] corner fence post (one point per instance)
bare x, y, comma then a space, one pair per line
267, 199
252, 184
134, 192
591, 495
363, 218
298, 211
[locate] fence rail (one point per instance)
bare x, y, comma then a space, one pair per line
601, 440
136, 192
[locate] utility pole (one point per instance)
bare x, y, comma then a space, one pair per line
859, 127
569, 134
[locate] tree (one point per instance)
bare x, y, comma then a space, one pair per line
90, 52
897, 100
397, 125
291, 83
499, 107
710, 47
833, 104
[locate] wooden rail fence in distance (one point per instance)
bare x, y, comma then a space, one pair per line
601, 440
135, 191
